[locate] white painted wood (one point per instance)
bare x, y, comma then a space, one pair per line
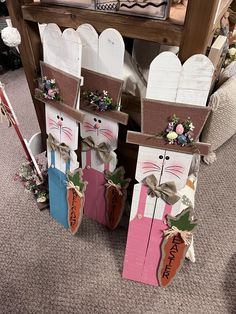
35, 144
217, 49
102, 131
195, 81
150, 161
62, 127
148, 205
62, 50
51, 44
176, 168
32, 156
89, 39
111, 53
163, 78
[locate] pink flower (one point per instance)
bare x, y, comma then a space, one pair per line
51, 92
179, 129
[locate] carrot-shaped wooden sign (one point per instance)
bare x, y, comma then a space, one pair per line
115, 196
75, 198
174, 246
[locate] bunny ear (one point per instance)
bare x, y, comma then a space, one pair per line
195, 81
111, 53
51, 44
72, 52
164, 75
89, 38
62, 50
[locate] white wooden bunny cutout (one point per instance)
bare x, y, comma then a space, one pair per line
62, 54
167, 146
102, 70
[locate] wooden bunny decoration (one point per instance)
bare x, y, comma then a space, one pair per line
163, 167
102, 70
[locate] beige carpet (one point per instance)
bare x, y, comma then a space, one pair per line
43, 269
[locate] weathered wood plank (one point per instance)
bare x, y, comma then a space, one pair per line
198, 26
165, 32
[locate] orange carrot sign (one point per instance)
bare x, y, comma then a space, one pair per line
75, 199
174, 246
115, 196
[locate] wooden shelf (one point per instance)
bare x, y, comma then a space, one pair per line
168, 32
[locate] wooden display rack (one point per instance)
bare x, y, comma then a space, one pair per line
189, 28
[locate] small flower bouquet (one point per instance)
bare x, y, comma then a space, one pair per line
101, 100
31, 181
48, 89
178, 133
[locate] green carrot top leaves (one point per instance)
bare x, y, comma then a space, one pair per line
183, 221
117, 177
77, 179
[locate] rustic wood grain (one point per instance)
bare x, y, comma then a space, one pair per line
148, 140
198, 26
73, 113
165, 32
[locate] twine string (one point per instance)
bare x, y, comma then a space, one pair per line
185, 235
70, 185
117, 186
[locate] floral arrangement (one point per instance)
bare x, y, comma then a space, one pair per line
101, 100
31, 182
48, 89
178, 133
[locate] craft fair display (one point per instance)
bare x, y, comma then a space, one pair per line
173, 115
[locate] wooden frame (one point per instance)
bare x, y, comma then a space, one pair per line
190, 32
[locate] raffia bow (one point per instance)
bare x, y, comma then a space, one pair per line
103, 150
70, 185
62, 148
166, 191
185, 235
117, 186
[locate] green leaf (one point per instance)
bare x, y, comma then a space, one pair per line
76, 178
183, 221
117, 177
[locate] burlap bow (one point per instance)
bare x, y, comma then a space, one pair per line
103, 150
167, 191
62, 148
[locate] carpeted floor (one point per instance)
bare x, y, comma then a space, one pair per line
43, 269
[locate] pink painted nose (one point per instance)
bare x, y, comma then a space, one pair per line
59, 123
96, 125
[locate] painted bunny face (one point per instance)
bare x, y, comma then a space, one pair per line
63, 128
100, 129
164, 165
